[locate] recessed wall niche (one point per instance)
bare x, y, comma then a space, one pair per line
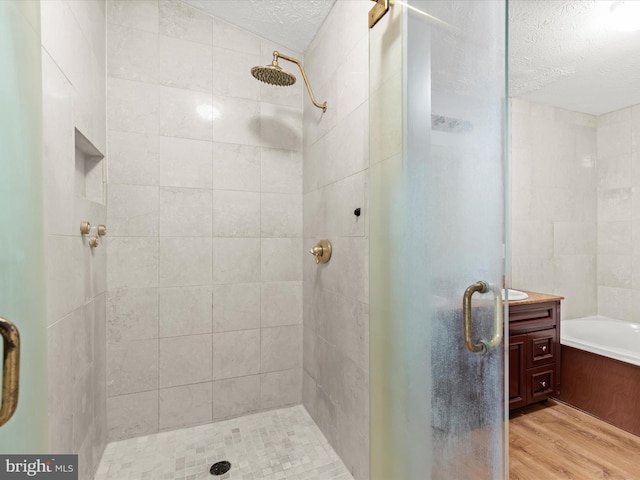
89, 178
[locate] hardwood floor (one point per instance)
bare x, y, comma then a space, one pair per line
552, 440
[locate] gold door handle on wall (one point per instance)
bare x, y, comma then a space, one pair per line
10, 369
481, 346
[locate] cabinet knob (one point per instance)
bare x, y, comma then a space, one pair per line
543, 348
543, 384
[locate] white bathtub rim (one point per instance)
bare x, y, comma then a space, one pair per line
619, 354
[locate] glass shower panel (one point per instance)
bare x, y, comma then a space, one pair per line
437, 226
22, 270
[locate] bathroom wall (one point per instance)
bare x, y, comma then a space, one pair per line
204, 267
336, 294
554, 204
73, 80
619, 214
574, 208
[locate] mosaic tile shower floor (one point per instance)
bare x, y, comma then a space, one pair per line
275, 445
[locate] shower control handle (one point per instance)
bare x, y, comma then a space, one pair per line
322, 251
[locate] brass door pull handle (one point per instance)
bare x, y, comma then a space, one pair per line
481, 346
10, 369
322, 251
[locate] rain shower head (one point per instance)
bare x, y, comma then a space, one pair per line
274, 75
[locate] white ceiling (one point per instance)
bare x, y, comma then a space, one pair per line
290, 23
561, 52
564, 53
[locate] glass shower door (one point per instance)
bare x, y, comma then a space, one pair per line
437, 233
22, 300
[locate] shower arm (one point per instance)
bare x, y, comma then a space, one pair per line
277, 55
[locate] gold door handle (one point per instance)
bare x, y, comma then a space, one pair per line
481, 346
10, 369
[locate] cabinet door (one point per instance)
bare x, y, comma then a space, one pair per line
517, 389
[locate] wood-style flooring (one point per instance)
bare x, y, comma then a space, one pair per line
552, 440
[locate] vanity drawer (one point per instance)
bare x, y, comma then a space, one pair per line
540, 382
541, 347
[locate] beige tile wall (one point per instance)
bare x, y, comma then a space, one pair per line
205, 209
574, 207
553, 204
336, 294
73, 80
619, 214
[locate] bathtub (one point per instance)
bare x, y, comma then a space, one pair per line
604, 336
600, 369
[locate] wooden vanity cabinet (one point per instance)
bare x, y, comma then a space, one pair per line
534, 350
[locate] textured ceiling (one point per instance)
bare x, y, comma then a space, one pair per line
291, 23
564, 53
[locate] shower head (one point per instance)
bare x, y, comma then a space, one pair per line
274, 75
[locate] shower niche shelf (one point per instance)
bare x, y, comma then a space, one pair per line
534, 349
89, 170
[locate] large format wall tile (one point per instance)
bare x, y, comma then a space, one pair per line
281, 388
185, 113
236, 167
236, 214
133, 106
133, 158
141, 14
281, 171
181, 21
185, 311
199, 192
132, 314
132, 210
185, 212
278, 265
335, 180
281, 348
132, 367
226, 35
236, 260
236, 354
236, 307
132, 415
236, 396
185, 163
185, 261
281, 215
281, 304
133, 262
185, 64
74, 85
185, 406
236, 120
185, 360
133, 54
231, 74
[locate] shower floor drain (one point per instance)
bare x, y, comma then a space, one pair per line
220, 468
